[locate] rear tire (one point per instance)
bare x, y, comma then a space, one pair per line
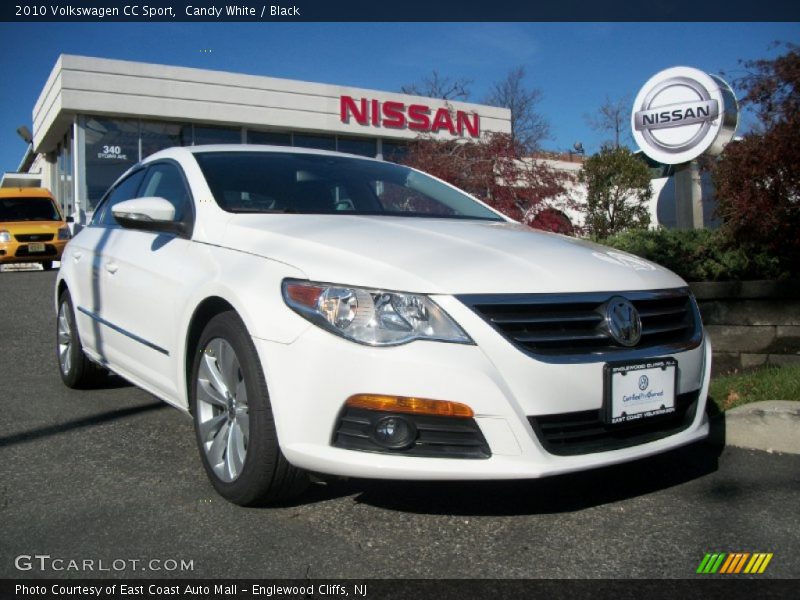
234, 424
77, 371
47, 265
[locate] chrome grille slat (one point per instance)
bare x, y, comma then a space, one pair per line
662, 329
572, 327
522, 319
663, 312
545, 338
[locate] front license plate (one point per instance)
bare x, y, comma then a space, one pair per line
640, 390
36, 247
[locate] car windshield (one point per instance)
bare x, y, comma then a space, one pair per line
269, 182
28, 209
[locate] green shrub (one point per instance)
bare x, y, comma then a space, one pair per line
702, 254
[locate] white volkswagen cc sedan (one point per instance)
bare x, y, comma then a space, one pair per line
325, 313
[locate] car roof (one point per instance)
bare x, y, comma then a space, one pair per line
25, 192
184, 150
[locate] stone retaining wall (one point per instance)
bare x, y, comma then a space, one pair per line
751, 323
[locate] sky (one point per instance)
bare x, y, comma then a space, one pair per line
575, 65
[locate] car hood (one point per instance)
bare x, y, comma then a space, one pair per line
31, 226
446, 256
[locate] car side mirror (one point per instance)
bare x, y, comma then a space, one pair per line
150, 213
69, 219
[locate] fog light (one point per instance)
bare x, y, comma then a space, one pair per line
395, 433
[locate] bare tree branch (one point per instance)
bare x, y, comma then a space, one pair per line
613, 117
439, 86
528, 127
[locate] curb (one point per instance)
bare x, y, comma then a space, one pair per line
772, 426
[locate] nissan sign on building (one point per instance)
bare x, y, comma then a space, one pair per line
97, 117
682, 113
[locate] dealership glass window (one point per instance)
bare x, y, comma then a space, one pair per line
111, 147
68, 189
216, 135
394, 151
58, 181
320, 142
157, 136
63, 188
274, 138
354, 145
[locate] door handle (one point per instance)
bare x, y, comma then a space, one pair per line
112, 267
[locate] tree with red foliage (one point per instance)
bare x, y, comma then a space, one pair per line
491, 170
758, 178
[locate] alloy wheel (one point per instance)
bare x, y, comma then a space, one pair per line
222, 409
64, 339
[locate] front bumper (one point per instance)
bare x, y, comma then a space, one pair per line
19, 252
310, 379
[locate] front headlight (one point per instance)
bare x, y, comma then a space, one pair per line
4, 236
63, 233
373, 317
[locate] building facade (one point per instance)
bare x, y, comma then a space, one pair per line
97, 117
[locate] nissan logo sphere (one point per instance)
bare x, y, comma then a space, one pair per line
623, 322
681, 113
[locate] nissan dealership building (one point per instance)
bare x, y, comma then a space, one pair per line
96, 117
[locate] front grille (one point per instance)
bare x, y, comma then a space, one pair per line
34, 237
441, 437
585, 432
49, 250
573, 326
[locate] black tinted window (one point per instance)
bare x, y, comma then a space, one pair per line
313, 183
124, 190
28, 209
165, 180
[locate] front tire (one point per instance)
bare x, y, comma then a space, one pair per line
77, 371
47, 265
233, 418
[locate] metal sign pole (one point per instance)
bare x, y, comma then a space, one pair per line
688, 196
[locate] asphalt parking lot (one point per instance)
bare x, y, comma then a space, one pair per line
113, 474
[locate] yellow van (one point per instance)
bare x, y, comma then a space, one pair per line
32, 228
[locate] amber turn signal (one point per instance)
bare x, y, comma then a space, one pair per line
415, 406
306, 295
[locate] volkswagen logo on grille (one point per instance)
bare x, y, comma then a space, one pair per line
623, 322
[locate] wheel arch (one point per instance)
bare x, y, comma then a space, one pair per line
206, 310
60, 287
245, 290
